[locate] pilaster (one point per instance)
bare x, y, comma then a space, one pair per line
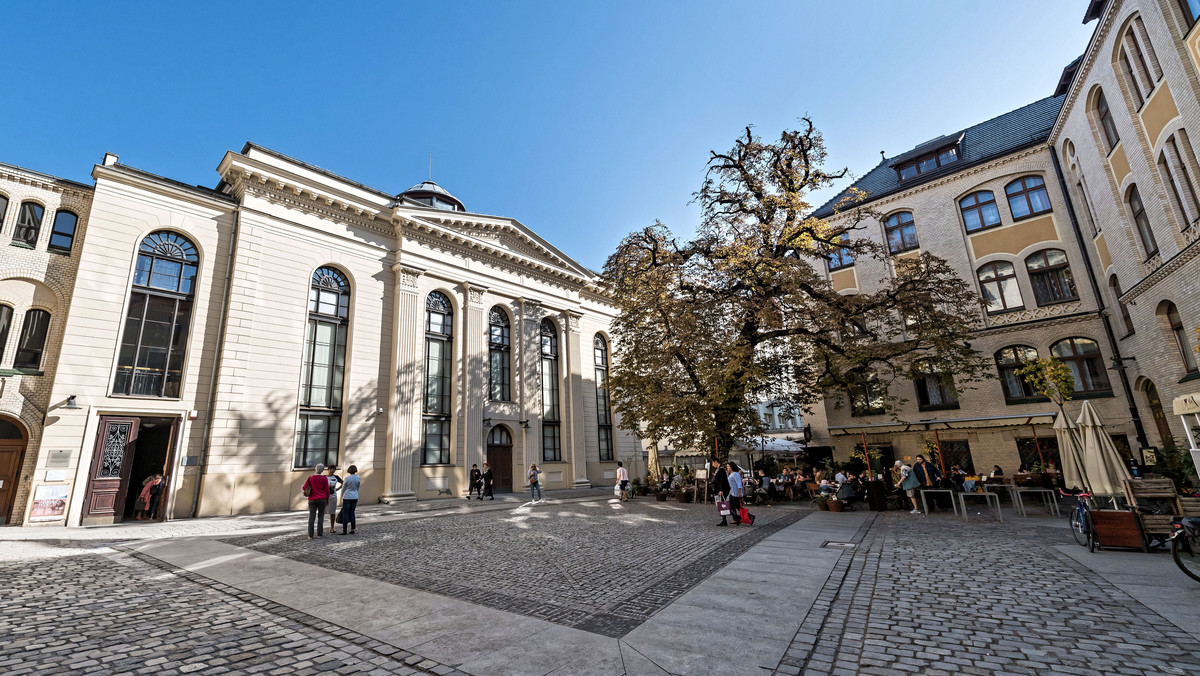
528, 338
405, 397
475, 358
574, 432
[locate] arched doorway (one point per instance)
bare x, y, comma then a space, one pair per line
12, 453
1156, 411
499, 457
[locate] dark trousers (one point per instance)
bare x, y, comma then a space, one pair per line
487, 490
476, 489
735, 508
316, 510
348, 515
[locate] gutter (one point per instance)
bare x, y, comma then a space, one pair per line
1139, 429
218, 358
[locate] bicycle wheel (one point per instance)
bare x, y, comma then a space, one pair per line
1186, 555
1077, 530
1090, 530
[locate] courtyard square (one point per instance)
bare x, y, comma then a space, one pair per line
588, 585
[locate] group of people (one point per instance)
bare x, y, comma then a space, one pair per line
146, 505
482, 483
322, 489
728, 487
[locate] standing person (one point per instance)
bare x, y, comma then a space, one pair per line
488, 482
316, 489
156, 487
908, 484
737, 492
350, 498
476, 483
720, 487
927, 476
147, 499
623, 480
535, 486
335, 482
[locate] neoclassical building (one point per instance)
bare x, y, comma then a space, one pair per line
231, 338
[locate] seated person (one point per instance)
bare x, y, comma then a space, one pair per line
996, 471
827, 488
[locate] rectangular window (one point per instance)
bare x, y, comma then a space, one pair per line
324, 370
318, 436
33, 340
551, 442
551, 432
150, 360
437, 375
62, 235
435, 442
3, 210
6, 314
498, 375
935, 395
603, 415
1036, 453
866, 398
606, 446
958, 453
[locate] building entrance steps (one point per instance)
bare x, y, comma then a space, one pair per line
752, 607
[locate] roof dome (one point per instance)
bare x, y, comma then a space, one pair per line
430, 194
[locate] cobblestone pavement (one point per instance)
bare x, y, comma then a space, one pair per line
600, 566
96, 611
936, 596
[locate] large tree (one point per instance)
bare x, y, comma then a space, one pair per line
745, 310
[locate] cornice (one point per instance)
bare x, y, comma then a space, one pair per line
1189, 253
456, 219
292, 195
1111, 10
28, 178
465, 250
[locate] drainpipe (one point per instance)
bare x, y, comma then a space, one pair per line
217, 359
1139, 429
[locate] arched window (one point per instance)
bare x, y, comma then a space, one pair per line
1180, 333
1027, 197
901, 232
1115, 286
1140, 221
1173, 165
603, 410
1051, 277
979, 210
1138, 62
1191, 11
1082, 356
154, 342
998, 281
322, 381
33, 340
3, 210
29, 223
62, 235
1105, 120
499, 436
551, 414
439, 330
499, 354
6, 314
1008, 361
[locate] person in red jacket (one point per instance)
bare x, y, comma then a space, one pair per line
316, 488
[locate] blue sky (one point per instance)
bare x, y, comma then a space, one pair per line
584, 121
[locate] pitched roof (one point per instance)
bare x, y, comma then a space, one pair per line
1021, 128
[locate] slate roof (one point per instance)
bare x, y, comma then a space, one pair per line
1021, 128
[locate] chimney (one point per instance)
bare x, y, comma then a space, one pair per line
110, 159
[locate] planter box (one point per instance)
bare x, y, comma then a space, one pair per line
661, 497
1117, 528
835, 505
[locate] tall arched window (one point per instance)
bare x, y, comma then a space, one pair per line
1115, 286
1027, 197
499, 355
439, 330
1141, 222
1082, 356
551, 412
29, 223
33, 340
1008, 361
1138, 62
322, 381
1051, 277
3, 210
1173, 165
1104, 119
62, 235
901, 232
1180, 334
998, 281
979, 210
603, 410
154, 341
6, 314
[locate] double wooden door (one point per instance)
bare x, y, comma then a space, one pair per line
12, 451
109, 477
499, 458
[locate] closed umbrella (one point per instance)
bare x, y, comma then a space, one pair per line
1071, 451
1102, 464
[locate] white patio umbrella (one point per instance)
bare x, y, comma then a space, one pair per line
1071, 451
1102, 464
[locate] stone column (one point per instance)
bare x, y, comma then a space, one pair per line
574, 431
405, 398
474, 351
528, 339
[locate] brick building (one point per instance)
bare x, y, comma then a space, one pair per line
233, 337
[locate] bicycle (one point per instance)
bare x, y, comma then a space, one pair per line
1185, 545
1081, 520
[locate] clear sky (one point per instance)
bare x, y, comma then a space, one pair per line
584, 121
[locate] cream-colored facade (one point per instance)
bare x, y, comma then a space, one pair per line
220, 413
1144, 60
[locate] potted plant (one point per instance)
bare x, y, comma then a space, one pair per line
836, 505
823, 503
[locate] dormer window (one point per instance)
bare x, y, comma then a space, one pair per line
927, 163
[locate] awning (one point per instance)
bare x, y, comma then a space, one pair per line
929, 424
1188, 404
771, 445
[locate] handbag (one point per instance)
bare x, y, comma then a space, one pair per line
744, 516
723, 507
341, 516
306, 490
617, 489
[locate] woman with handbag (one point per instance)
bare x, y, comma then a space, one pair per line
316, 489
720, 488
737, 496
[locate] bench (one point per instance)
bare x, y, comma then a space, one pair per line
1155, 501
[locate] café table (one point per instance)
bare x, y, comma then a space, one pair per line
1045, 494
926, 491
988, 497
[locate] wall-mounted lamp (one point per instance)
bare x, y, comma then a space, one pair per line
1118, 363
71, 405
524, 424
487, 421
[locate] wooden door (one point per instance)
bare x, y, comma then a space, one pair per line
500, 459
12, 452
108, 480
1156, 411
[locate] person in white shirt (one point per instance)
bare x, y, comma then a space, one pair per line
623, 480
840, 477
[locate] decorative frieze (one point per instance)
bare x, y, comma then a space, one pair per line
1060, 310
